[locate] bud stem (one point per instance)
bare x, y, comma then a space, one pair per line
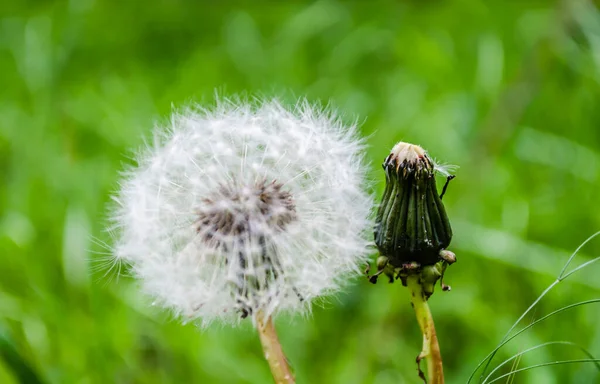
274, 355
431, 348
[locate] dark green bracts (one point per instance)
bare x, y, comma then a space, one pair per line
411, 225
412, 230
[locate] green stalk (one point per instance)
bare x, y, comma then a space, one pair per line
431, 349
280, 369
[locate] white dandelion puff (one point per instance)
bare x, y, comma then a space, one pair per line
245, 208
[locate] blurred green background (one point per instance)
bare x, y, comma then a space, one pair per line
508, 90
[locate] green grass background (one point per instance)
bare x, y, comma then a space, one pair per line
508, 90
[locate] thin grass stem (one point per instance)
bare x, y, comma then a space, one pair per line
545, 365
504, 342
562, 272
580, 267
520, 354
562, 276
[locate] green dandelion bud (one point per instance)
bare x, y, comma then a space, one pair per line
412, 230
411, 224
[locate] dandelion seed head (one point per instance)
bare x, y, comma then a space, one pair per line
245, 207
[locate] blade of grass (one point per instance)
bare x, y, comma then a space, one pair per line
562, 272
518, 356
545, 365
517, 361
562, 276
513, 368
24, 372
505, 341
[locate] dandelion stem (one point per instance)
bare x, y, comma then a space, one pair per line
431, 348
274, 355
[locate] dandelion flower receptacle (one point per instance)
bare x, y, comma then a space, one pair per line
412, 232
245, 210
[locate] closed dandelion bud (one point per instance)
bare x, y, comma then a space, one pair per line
411, 223
412, 232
